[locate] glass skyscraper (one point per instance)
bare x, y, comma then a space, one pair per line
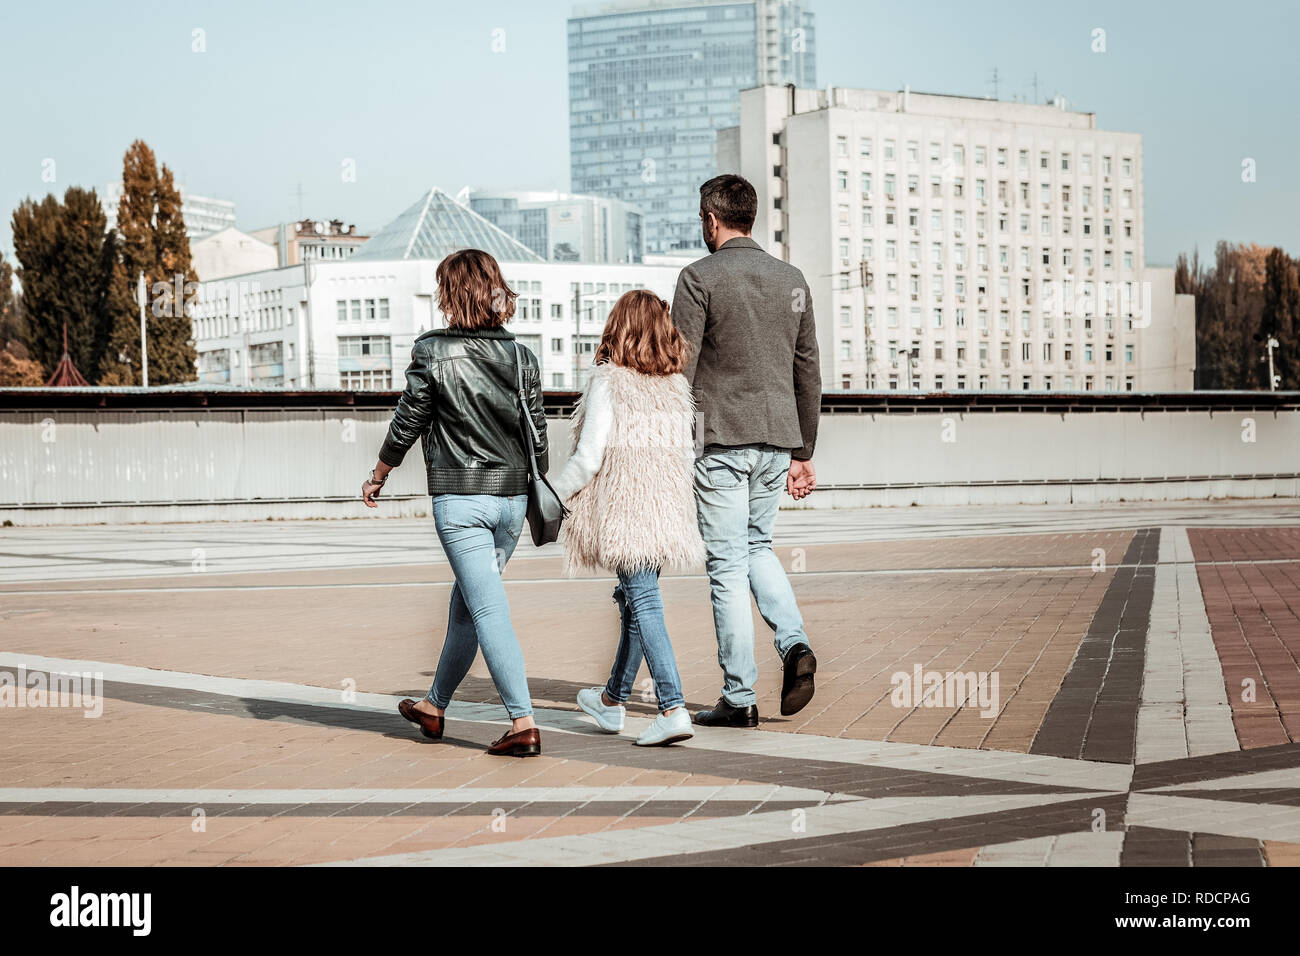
651, 83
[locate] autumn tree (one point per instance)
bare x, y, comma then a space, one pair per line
151, 240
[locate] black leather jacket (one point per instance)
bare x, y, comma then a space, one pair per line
462, 402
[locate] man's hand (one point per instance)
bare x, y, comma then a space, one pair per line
802, 479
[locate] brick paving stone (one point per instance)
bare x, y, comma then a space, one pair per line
1067, 644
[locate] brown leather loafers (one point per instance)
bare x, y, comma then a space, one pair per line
430, 725
526, 743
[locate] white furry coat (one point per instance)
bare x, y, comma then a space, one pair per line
637, 510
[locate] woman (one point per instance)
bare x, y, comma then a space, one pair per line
462, 402
629, 488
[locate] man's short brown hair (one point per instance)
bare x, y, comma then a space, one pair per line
472, 293
732, 200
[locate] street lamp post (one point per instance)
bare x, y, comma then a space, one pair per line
144, 345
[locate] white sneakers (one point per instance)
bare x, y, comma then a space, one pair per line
662, 730
667, 729
608, 719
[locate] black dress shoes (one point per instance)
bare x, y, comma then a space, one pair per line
724, 715
797, 682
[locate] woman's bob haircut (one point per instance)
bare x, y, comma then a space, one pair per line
472, 293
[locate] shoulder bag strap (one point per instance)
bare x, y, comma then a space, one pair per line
530, 433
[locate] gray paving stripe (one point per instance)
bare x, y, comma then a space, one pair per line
1184, 708
1280, 796
1202, 770
1253, 821
911, 839
1094, 713
613, 750
764, 837
539, 808
1086, 848
1029, 569
1284, 778
272, 697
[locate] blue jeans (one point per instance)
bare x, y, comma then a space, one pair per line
643, 634
738, 491
478, 535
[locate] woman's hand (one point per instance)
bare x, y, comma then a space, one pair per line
371, 486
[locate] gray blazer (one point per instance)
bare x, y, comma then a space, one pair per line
748, 320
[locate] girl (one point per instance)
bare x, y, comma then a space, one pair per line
630, 489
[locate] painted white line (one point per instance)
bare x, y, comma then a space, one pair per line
1184, 709
694, 836
989, 764
453, 796
1251, 821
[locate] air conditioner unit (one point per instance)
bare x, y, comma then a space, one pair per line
961, 298
1006, 269
1051, 334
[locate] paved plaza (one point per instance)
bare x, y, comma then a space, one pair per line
1138, 699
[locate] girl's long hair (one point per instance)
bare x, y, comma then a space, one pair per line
640, 335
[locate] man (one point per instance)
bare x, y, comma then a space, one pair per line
753, 362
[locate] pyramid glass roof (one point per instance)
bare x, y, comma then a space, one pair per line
437, 226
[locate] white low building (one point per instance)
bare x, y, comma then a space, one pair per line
230, 253
960, 243
351, 324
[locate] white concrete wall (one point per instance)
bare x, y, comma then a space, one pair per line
83, 467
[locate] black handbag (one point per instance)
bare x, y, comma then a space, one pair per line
545, 510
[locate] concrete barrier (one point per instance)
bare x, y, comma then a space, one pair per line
94, 456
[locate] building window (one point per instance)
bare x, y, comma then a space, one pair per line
376, 380
356, 346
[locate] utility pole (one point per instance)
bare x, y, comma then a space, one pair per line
577, 330
307, 331
577, 334
144, 343
864, 280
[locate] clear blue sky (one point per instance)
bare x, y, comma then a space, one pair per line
414, 94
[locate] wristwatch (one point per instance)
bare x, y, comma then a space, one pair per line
374, 480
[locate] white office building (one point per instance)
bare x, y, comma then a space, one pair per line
203, 215
351, 323
565, 227
959, 243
